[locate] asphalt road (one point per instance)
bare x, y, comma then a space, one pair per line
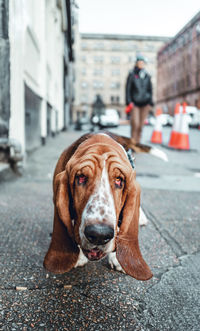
94, 297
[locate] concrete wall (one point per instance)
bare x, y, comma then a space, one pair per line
36, 29
4, 69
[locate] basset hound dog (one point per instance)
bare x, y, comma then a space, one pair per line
97, 206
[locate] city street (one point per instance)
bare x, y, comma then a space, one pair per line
94, 297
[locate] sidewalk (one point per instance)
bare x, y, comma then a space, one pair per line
4, 168
94, 297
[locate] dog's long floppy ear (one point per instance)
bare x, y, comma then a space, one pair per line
127, 245
63, 251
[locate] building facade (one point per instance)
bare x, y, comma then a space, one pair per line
179, 68
37, 65
4, 71
103, 62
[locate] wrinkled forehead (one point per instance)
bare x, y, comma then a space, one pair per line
101, 144
100, 154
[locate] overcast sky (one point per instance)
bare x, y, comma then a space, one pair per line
144, 17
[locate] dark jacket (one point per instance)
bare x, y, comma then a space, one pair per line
139, 88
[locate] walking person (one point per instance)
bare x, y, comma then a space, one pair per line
138, 97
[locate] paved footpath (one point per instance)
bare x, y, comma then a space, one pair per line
94, 297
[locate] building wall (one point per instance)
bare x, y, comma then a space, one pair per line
103, 63
179, 68
36, 30
4, 70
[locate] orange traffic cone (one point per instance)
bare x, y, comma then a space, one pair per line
183, 137
156, 137
176, 126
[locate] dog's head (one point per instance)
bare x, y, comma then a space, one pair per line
95, 191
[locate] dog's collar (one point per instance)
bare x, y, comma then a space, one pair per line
131, 158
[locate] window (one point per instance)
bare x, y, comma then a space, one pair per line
84, 98
134, 47
115, 99
115, 72
188, 82
187, 37
115, 85
97, 85
149, 47
84, 45
190, 34
198, 78
198, 28
115, 47
84, 85
151, 60
198, 57
173, 48
181, 41
83, 58
131, 59
131, 47
99, 45
83, 71
98, 59
98, 72
115, 59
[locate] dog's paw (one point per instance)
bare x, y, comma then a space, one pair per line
142, 219
112, 260
82, 260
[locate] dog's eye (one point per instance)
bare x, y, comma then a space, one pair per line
118, 182
81, 179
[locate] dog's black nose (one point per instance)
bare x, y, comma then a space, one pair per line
99, 234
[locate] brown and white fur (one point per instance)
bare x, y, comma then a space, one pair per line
94, 185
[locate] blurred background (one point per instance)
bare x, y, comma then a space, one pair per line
62, 61
63, 71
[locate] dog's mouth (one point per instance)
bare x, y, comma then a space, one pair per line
94, 254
